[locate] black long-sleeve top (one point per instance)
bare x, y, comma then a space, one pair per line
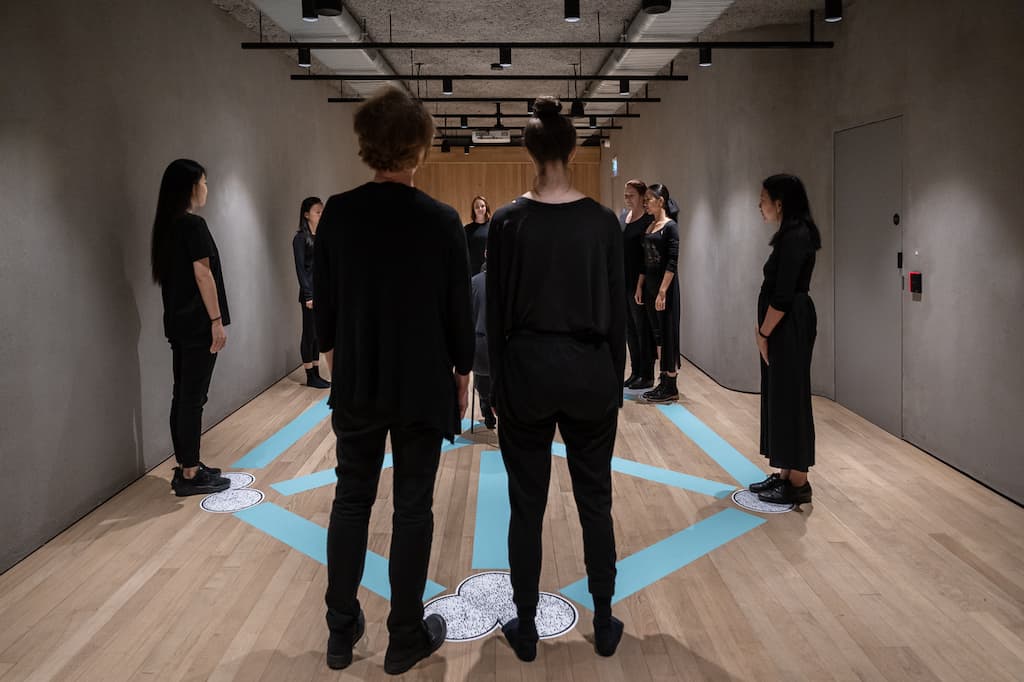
476, 238
633, 246
788, 269
392, 300
302, 248
555, 269
661, 252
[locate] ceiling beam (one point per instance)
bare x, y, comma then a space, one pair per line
445, 114
523, 100
482, 77
670, 45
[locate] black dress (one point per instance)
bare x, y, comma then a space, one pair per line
661, 255
476, 240
639, 339
787, 423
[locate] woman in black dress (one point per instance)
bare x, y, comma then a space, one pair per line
787, 326
634, 221
556, 328
476, 233
186, 265
302, 248
657, 288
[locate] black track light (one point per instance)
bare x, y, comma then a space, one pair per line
464, 122
328, 8
593, 121
833, 11
656, 6
572, 11
446, 147
305, 59
705, 57
623, 87
577, 108
446, 86
309, 11
505, 57
465, 150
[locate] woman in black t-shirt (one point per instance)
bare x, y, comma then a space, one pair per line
186, 265
302, 248
476, 233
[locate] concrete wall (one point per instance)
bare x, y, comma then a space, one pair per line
953, 72
97, 97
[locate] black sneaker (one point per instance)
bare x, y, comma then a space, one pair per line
665, 392
641, 383
770, 483
787, 493
314, 380
522, 636
339, 646
607, 635
435, 630
203, 483
213, 470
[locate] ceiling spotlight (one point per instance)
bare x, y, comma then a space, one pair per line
464, 122
446, 86
328, 8
833, 11
572, 11
593, 121
309, 11
623, 87
577, 108
305, 60
656, 6
705, 56
465, 150
504, 57
446, 147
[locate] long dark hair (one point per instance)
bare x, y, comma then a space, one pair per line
307, 203
487, 206
175, 200
796, 209
671, 208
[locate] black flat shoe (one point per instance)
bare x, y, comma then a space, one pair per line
203, 483
632, 377
770, 483
787, 493
607, 635
435, 630
339, 647
522, 640
641, 383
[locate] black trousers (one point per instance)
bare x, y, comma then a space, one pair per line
192, 366
416, 452
482, 382
308, 346
639, 339
573, 387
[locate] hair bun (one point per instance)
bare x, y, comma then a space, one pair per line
546, 107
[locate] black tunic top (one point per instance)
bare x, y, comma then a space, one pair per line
392, 300
555, 269
633, 248
476, 238
303, 251
787, 272
186, 319
661, 254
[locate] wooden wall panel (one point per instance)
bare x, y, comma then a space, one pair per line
500, 174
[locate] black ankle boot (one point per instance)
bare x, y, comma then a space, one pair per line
314, 380
665, 392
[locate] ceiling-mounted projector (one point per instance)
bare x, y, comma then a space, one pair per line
492, 137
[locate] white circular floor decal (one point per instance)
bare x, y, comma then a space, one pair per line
750, 501
239, 479
231, 500
483, 603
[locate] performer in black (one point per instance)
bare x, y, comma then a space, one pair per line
786, 329
476, 233
556, 333
634, 221
302, 248
481, 361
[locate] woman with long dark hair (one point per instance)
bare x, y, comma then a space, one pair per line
634, 221
786, 328
302, 248
556, 328
476, 233
657, 288
186, 265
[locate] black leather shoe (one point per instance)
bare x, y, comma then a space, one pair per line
641, 383
435, 630
339, 647
666, 392
787, 493
607, 635
522, 637
770, 483
632, 377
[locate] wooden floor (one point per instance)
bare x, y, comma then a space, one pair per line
902, 569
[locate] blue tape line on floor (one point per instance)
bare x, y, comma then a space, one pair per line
272, 448
490, 538
310, 539
653, 563
717, 448
318, 479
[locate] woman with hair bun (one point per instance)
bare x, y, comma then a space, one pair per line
657, 288
556, 334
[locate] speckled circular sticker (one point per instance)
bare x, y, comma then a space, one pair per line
483, 603
751, 502
239, 479
231, 500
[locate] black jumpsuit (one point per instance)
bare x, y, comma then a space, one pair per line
661, 255
787, 424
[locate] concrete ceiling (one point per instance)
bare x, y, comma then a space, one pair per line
525, 20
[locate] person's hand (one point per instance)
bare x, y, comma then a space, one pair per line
220, 336
659, 301
762, 344
309, 304
462, 388
638, 296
